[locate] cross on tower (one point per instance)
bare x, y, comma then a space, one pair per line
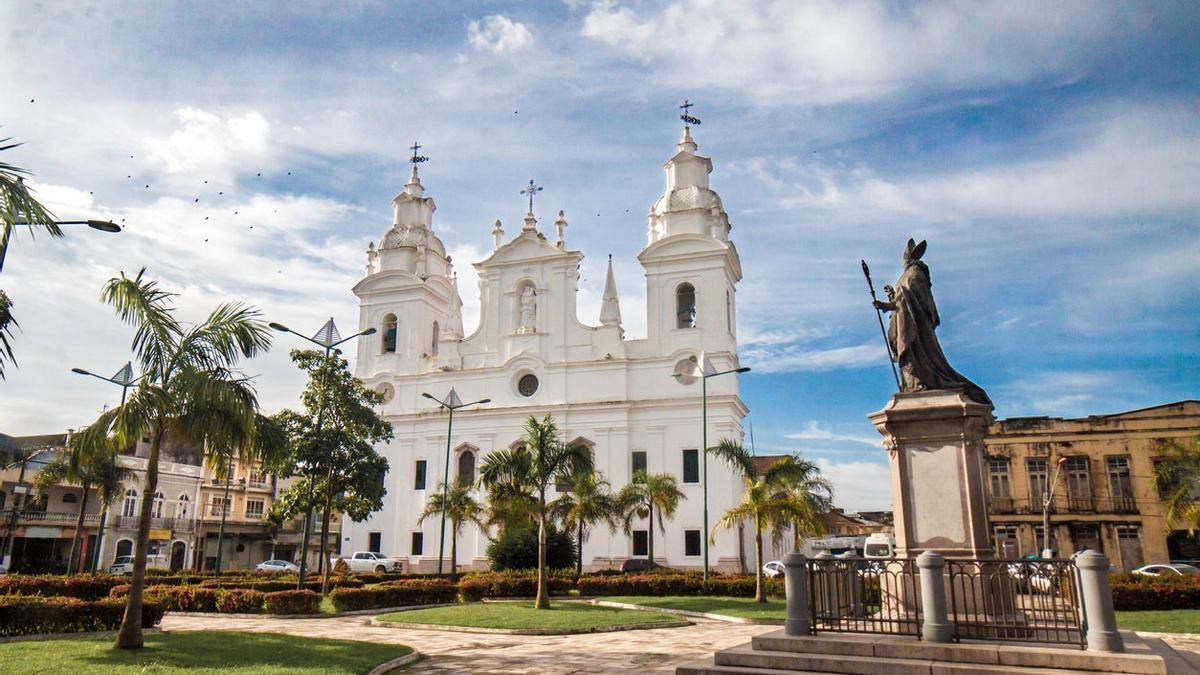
417, 159
686, 116
531, 190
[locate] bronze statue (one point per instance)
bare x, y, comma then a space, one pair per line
910, 334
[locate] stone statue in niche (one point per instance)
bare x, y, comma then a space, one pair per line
914, 346
528, 310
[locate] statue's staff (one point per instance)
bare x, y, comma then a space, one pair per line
879, 316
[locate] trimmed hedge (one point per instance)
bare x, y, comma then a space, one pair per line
475, 587
394, 594
32, 615
1133, 592
292, 602
79, 586
199, 598
273, 585
675, 584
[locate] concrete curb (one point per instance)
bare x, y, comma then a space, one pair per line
527, 631
685, 612
264, 615
394, 664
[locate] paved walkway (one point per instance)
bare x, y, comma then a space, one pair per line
655, 650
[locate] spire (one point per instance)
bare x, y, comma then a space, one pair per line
561, 226
610, 306
497, 235
454, 322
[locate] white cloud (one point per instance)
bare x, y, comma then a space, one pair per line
211, 145
793, 357
499, 34
858, 486
814, 432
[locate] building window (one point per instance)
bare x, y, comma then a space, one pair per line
418, 544
219, 506
691, 465
181, 507
389, 334
1079, 482
254, 508
641, 542
124, 547
1038, 481
43, 503
419, 475
466, 467
528, 385
70, 498
1007, 543
691, 542
998, 481
1128, 532
130, 508
157, 507
638, 461
375, 542
3, 498
1120, 483
257, 477
685, 306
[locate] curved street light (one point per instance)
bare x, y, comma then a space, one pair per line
452, 403
101, 225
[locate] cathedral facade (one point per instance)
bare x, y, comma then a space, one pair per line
532, 355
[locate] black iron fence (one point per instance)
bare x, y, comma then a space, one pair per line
864, 596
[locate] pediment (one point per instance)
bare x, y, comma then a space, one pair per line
526, 247
399, 280
683, 245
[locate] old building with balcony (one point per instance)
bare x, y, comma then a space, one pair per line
1101, 471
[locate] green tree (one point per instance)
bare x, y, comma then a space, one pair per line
1178, 477
338, 462
589, 501
543, 459
189, 392
649, 496
88, 461
461, 507
517, 548
789, 493
511, 498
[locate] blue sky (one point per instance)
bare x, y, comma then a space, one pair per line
1049, 152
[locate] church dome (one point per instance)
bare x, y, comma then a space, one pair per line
412, 236
686, 198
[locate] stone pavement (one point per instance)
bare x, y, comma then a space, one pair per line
656, 650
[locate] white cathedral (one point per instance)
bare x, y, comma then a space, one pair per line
531, 355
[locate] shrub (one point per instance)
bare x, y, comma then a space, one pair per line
401, 593
1154, 593
517, 548
28, 615
292, 602
513, 584
239, 601
691, 583
79, 586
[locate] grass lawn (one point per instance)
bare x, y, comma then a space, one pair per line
199, 653
1161, 621
745, 608
517, 615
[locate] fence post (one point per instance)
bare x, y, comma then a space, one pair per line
1101, 620
854, 583
795, 577
936, 624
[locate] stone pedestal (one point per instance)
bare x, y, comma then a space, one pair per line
934, 442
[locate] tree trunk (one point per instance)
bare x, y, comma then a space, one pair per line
760, 591
453, 548
130, 634
650, 536
543, 591
78, 530
579, 555
325, 540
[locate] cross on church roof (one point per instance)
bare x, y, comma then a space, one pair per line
686, 117
417, 159
531, 190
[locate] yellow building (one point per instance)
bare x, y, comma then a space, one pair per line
1106, 496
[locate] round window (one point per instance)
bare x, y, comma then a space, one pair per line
527, 385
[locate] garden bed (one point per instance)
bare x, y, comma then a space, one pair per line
520, 618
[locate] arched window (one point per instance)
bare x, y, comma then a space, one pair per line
124, 547
182, 505
389, 334
70, 498
433, 346
685, 306
466, 466
130, 508
157, 507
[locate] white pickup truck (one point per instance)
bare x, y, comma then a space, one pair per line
366, 561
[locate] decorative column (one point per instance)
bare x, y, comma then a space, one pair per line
934, 441
1101, 620
795, 577
935, 626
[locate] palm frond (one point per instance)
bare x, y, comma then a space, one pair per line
736, 456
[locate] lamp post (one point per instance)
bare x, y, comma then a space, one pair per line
327, 338
452, 403
1047, 500
102, 225
704, 370
124, 379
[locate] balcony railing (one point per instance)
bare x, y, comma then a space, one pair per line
1001, 505
1098, 505
47, 517
1081, 504
175, 524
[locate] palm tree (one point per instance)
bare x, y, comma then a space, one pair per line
511, 498
189, 393
647, 496
541, 461
461, 507
788, 493
88, 466
1178, 479
589, 501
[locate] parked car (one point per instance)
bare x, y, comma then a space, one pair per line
367, 561
638, 565
276, 566
122, 565
1170, 570
773, 568
878, 546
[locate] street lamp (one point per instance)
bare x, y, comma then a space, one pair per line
452, 403
1047, 500
702, 371
102, 225
327, 338
124, 379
